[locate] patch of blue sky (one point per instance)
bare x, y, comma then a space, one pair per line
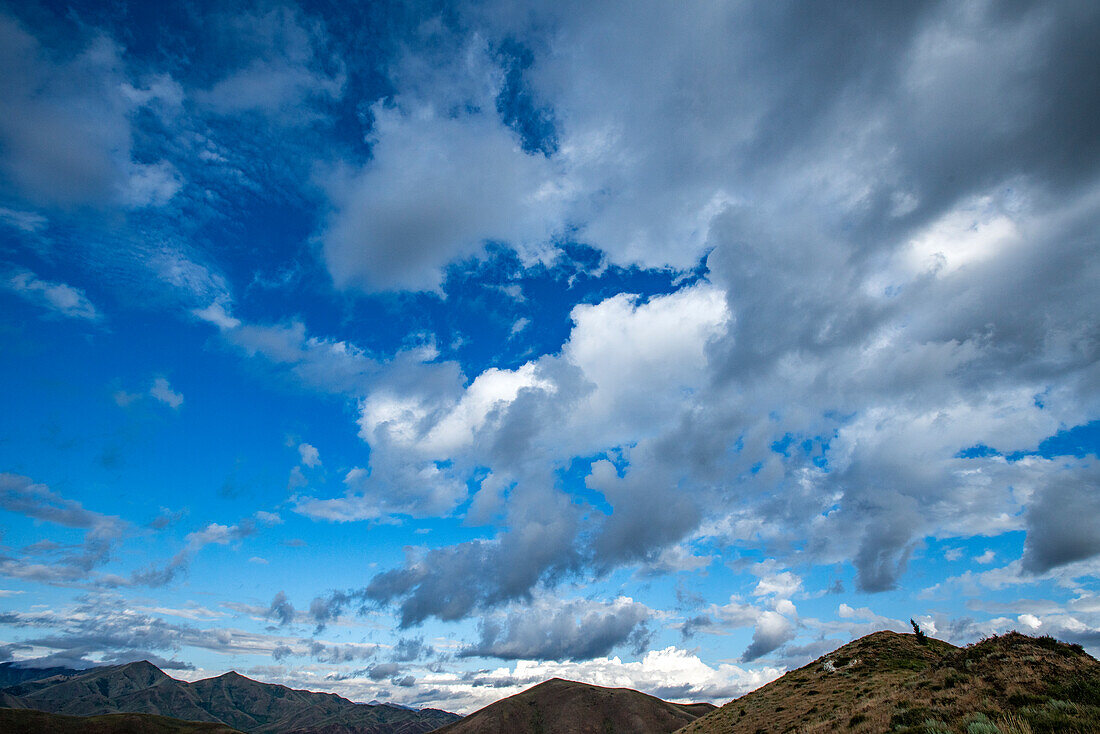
1078, 441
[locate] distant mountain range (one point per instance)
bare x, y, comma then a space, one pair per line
884, 682
230, 700
566, 707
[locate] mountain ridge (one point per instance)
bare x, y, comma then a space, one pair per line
230, 699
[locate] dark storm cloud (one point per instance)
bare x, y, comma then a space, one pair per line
452, 582
1062, 523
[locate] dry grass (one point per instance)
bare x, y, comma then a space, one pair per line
888, 682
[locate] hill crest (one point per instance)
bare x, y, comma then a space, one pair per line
560, 706
888, 681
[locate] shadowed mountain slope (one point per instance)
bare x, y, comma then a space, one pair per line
892, 682
12, 674
230, 699
565, 707
29, 721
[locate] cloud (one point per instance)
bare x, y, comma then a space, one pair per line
107, 625
1061, 525
670, 673
408, 649
59, 298
21, 495
783, 584
281, 609
162, 391
214, 533
309, 454
284, 69
324, 364
445, 176
556, 630
772, 630
71, 144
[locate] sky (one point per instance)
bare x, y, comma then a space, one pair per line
420, 352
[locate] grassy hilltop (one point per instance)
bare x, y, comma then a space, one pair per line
889, 682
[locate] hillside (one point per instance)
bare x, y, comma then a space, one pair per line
12, 674
891, 682
566, 707
230, 700
27, 721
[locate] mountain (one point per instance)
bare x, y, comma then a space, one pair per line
1012, 684
29, 721
566, 707
12, 674
231, 699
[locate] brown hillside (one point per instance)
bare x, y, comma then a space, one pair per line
566, 707
886, 681
28, 721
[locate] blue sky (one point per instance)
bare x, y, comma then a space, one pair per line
424, 351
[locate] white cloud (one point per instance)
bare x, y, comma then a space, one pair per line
59, 298
401, 419
309, 455
671, 673
783, 584
1030, 621
217, 314
162, 391
24, 221
152, 184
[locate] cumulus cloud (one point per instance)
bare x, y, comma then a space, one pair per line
670, 673
445, 176
772, 630
898, 221
71, 145
576, 630
1061, 523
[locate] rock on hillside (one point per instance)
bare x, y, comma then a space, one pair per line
566, 707
891, 682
